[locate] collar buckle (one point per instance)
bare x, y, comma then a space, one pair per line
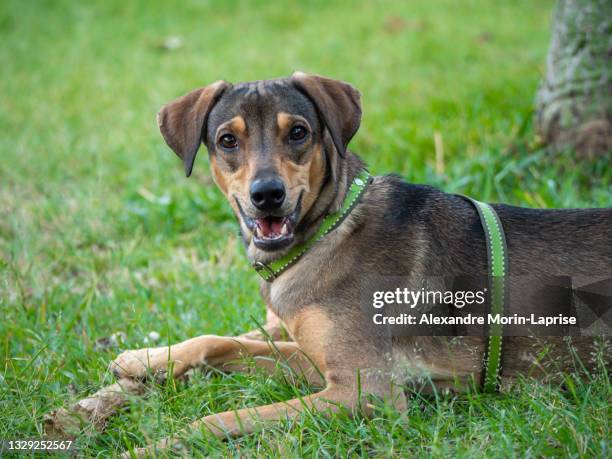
264, 271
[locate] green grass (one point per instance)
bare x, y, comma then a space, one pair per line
100, 232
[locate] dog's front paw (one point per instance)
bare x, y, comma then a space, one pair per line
140, 363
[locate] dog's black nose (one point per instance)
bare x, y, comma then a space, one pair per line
267, 194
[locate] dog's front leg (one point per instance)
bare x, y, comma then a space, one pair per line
248, 420
216, 351
136, 363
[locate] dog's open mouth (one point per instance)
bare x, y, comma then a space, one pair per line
272, 232
272, 228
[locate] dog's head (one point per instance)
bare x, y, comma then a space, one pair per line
272, 145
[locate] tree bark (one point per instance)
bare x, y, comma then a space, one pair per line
574, 101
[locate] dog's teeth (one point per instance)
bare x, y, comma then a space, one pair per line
258, 232
284, 230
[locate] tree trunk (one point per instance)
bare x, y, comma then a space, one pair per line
574, 101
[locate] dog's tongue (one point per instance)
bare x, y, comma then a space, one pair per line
270, 225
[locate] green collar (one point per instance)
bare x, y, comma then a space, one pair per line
272, 270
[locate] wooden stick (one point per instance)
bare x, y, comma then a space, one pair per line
90, 412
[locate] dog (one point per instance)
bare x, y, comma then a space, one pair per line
278, 152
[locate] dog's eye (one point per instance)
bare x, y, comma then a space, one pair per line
298, 133
228, 141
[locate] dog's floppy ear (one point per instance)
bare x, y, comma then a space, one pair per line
337, 102
182, 122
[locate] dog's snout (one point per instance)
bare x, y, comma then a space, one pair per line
267, 194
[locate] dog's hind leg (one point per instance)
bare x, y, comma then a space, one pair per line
248, 420
347, 394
